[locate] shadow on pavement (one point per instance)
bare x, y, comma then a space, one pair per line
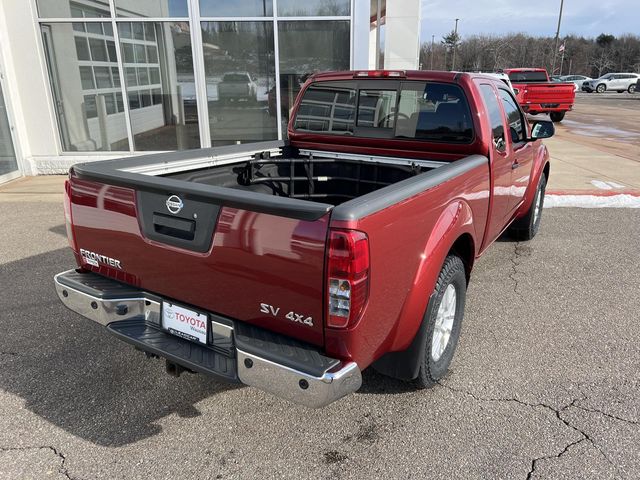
72, 373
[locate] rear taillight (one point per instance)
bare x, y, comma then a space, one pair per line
68, 219
347, 277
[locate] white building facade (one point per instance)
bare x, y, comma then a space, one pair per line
85, 80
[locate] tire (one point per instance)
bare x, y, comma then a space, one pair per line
556, 116
438, 351
601, 88
527, 227
632, 88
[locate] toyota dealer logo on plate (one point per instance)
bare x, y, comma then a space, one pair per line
174, 204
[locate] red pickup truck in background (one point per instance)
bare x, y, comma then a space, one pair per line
536, 93
291, 266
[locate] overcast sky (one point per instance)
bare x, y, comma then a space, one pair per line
536, 17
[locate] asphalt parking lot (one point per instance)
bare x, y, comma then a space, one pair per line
545, 383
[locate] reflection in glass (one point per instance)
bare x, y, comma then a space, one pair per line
160, 86
240, 76
84, 82
235, 8
296, 8
307, 47
8, 161
153, 9
73, 9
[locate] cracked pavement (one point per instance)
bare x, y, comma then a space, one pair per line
545, 382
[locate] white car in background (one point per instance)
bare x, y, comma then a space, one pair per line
577, 80
615, 82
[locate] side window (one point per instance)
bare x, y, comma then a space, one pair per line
495, 116
514, 117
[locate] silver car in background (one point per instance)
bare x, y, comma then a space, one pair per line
577, 80
615, 82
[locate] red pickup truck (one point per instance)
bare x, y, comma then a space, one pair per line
293, 266
536, 93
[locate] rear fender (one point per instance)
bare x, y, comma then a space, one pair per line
456, 220
540, 164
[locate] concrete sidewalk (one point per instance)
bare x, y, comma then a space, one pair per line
576, 168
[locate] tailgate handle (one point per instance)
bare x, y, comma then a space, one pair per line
174, 226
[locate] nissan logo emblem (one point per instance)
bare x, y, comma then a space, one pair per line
174, 204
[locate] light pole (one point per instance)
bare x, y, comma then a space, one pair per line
432, 40
555, 49
455, 44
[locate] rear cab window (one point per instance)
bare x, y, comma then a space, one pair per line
527, 77
410, 110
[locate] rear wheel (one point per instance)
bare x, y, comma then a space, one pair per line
443, 322
601, 88
632, 88
556, 116
525, 228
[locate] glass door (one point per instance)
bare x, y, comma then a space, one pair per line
8, 162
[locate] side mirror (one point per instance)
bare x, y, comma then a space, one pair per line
542, 129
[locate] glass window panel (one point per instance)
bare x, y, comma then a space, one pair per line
154, 76
134, 101
376, 108
125, 30
79, 125
143, 76
94, 27
8, 161
131, 77
145, 98
240, 76
82, 48
138, 31
108, 29
116, 77
119, 102
296, 8
110, 103
72, 9
103, 77
127, 49
307, 47
78, 27
170, 125
156, 95
98, 50
327, 109
111, 49
152, 54
86, 78
90, 106
141, 53
149, 32
235, 8
157, 8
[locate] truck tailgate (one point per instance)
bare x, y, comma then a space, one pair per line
546, 93
245, 265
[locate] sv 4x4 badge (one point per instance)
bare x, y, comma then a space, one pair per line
293, 316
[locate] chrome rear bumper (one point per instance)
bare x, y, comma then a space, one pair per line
135, 317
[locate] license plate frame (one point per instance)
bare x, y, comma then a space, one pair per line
185, 322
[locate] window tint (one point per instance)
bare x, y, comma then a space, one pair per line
528, 77
425, 111
516, 127
434, 111
495, 116
376, 108
327, 109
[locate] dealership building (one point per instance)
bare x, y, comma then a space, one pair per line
85, 80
